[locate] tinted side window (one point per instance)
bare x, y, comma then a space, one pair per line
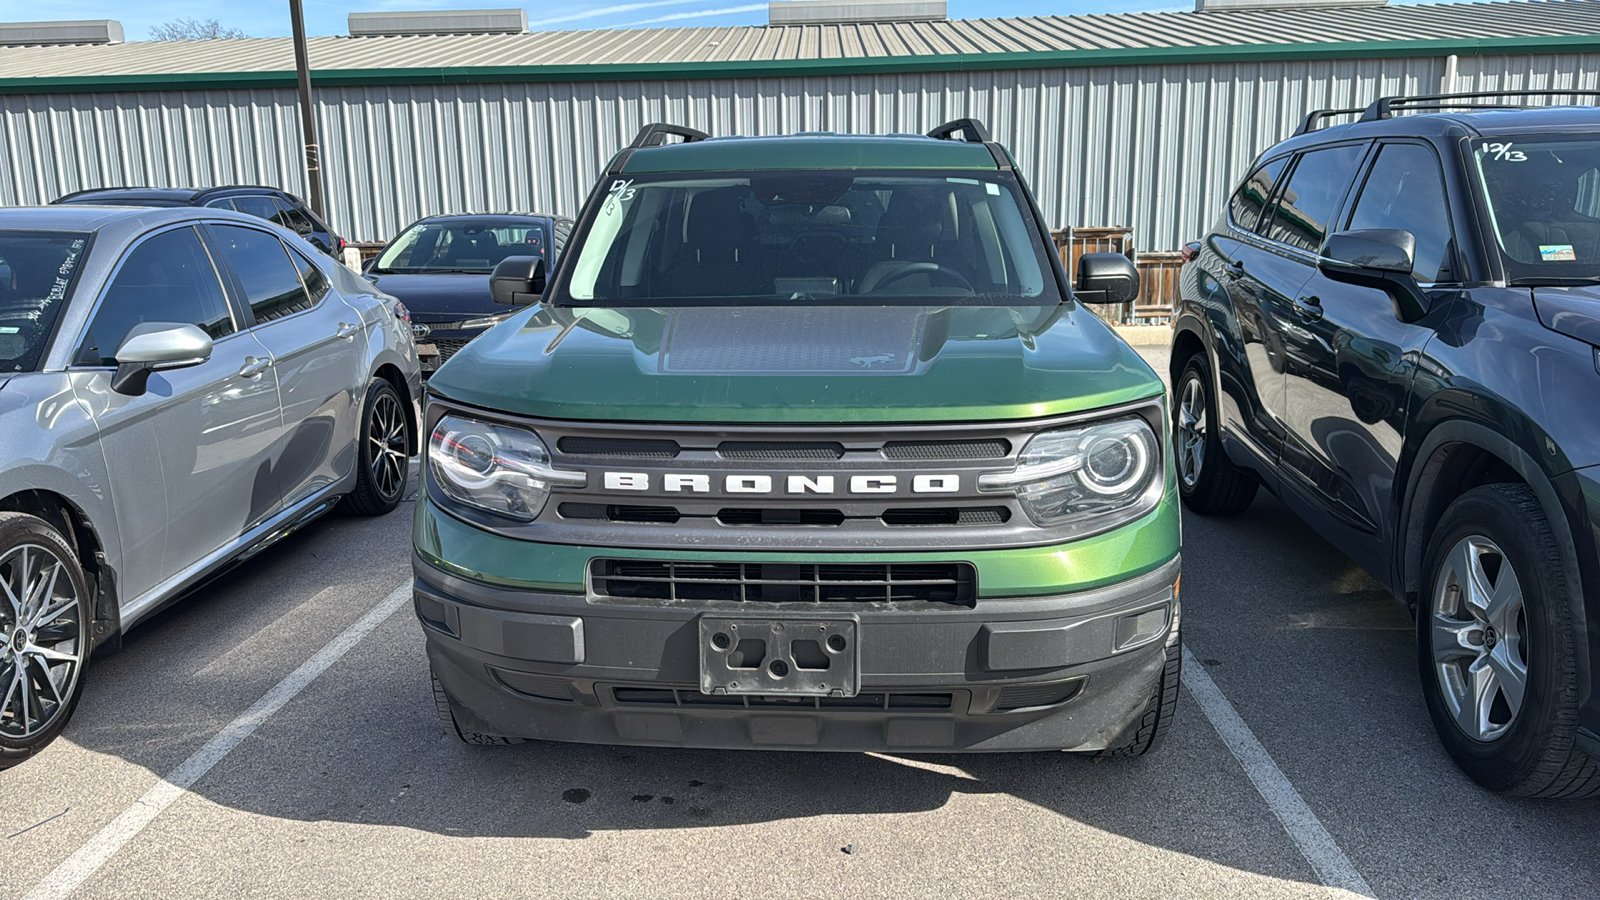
315, 280
224, 203
167, 278
260, 206
271, 281
294, 220
1309, 200
1405, 190
1254, 193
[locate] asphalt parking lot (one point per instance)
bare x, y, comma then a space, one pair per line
1302, 764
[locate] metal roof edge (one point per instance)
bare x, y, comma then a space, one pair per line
682, 71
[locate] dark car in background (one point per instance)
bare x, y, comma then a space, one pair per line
439, 267
276, 206
1395, 327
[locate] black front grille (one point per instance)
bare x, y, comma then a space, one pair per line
618, 513
448, 346
635, 448
992, 449
671, 580
780, 450
780, 516
865, 702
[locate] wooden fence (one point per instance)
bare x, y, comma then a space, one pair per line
1158, 272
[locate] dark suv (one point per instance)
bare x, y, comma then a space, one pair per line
274, 205
1394, 328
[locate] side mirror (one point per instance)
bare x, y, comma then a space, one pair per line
1377, 258
517, 280
157, 346
1106, 278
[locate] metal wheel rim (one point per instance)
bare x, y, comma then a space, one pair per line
42, 654
1191, 430
386, 437
1478, 621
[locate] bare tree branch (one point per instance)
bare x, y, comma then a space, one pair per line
194, 30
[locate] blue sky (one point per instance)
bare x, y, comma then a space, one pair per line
270, 18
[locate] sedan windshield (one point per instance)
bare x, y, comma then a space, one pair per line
38, 270
473, 246
817, 236
1544, 204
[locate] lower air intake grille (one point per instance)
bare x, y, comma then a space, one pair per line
954, 583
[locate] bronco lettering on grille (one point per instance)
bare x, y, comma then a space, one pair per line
683, 482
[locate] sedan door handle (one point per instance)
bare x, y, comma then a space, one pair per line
347, 331
254, 366
1309, 308
1236, 269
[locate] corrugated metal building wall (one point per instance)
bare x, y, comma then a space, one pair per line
1156, 147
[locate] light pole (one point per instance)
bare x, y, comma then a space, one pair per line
308, 114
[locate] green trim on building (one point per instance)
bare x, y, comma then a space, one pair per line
958, 62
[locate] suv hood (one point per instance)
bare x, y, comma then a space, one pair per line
440, 298
797, 364
1572, 311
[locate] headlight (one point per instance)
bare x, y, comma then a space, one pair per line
496, 468
1085, 472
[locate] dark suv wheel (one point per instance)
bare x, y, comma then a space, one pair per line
1208, 481
1496, 647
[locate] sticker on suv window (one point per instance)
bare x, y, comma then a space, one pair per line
1556, 252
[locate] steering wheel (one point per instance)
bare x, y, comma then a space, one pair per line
875, 281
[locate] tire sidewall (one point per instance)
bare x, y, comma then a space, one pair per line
17, 529
378, 388
1512, 759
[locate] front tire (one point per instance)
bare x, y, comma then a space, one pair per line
1496, 647
1209, 483
384, 457
44, 634
450, 726
1147, 732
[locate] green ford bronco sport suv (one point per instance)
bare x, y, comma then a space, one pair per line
805, 445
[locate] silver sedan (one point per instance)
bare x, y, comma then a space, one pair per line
179, 388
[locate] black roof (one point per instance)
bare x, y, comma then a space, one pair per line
164, 196
1452, 123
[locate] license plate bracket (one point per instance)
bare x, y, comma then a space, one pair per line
809, 657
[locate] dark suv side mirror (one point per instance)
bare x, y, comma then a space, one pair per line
1378, 258
1106, 278
517, 280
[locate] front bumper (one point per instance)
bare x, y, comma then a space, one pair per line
1024, 673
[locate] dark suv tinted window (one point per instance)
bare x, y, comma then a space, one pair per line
1309, 200
271, 281
258, 205
168, 278
1404, 190
1248, 201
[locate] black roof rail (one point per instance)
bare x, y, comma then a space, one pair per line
1386, 107
655, 134
969, 129
1313, 119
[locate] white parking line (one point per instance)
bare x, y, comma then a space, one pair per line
88, 859
1318, 847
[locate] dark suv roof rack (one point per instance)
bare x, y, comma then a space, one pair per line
655, 134
969, 129
1313, 119
1386, 107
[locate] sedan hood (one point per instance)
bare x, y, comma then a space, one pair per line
1572, 311
440, 298
798, 364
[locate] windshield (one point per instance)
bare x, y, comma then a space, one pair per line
473, 246
1544, 204
38, 270
822, 236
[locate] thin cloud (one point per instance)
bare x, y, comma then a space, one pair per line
699, 14
607, 11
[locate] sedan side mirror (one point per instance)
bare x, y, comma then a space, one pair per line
157, 346
1106, 278
1378, 258
517, 280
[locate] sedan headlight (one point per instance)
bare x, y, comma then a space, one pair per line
499, 469
1075, 474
